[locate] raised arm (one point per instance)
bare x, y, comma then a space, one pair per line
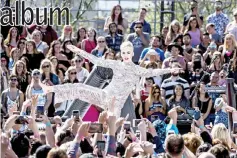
92, 58
152, 72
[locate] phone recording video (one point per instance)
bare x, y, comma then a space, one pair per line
235, 127
101, 147
21, 120
96, 128
197, 115
39, 111
138, 134
136, 122
127, 126
76, 115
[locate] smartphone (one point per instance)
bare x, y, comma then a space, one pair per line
127, 126
101, 147
235, 127
39, 111
96, 128
21, 120
76, 114
197, 115
16, 112
138, 134
136, 122
154, 117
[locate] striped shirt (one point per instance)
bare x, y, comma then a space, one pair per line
168, 85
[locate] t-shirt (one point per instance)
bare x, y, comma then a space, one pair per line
137, 44
41, 46
82, 75
216, 37
168, 85
159, 52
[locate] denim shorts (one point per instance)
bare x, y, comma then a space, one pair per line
210, 119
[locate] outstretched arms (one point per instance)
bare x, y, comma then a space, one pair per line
95, 60
153, 72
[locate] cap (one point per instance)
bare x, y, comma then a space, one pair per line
210, 24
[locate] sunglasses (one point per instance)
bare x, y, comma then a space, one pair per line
77, 61
156, 92
138, 27
46, 66
101, 41
13, 79
36, 73
68, 29
73, 73
221, 76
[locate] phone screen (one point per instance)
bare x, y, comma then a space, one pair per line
154, 117
101, 147
96, 128
40, 111
136, 122
127, 127
235, 127
76, 114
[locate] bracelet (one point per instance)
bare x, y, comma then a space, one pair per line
48, 124
201, 127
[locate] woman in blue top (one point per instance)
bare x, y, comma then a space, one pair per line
155, 104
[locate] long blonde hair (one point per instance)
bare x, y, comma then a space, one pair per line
14, 70
50, 65
220, 132
234, 43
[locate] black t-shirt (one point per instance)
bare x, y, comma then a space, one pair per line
188, 16
34, 60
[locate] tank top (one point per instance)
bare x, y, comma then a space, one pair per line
41, 96
11, 102
144, 95
196, 40
155, 105
203, 106
89, 45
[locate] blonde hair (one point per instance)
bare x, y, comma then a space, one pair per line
67, 73
127, 44
36, 32
14, 70
63, 35
234, 43
220, 132
192, 141
50, 65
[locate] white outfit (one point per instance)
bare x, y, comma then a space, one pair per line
41, 46
126, 76
82, 75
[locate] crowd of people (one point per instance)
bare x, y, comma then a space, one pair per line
200, 53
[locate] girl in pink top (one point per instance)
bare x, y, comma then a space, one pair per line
89, 44
194, 31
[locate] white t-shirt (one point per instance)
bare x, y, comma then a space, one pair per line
41, 46
82, 75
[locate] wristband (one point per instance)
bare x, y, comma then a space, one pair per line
48, 124
201, 127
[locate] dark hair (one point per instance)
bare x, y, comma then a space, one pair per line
187, 34
203, 148
42, 151
120, 17
35, 145
110, 51
198, 92
180, 36
120, 148
139, 22
64, 136
26, 63
144, 9
183, 94
174, 144
78, 33
219, 151
20, 145
86, 147
64, 44
51, 51
189, 23
12, 75
157, 36
205, 34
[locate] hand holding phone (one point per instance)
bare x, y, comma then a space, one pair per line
127, 126
76, 115
101, 147
136, 122
96, 128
